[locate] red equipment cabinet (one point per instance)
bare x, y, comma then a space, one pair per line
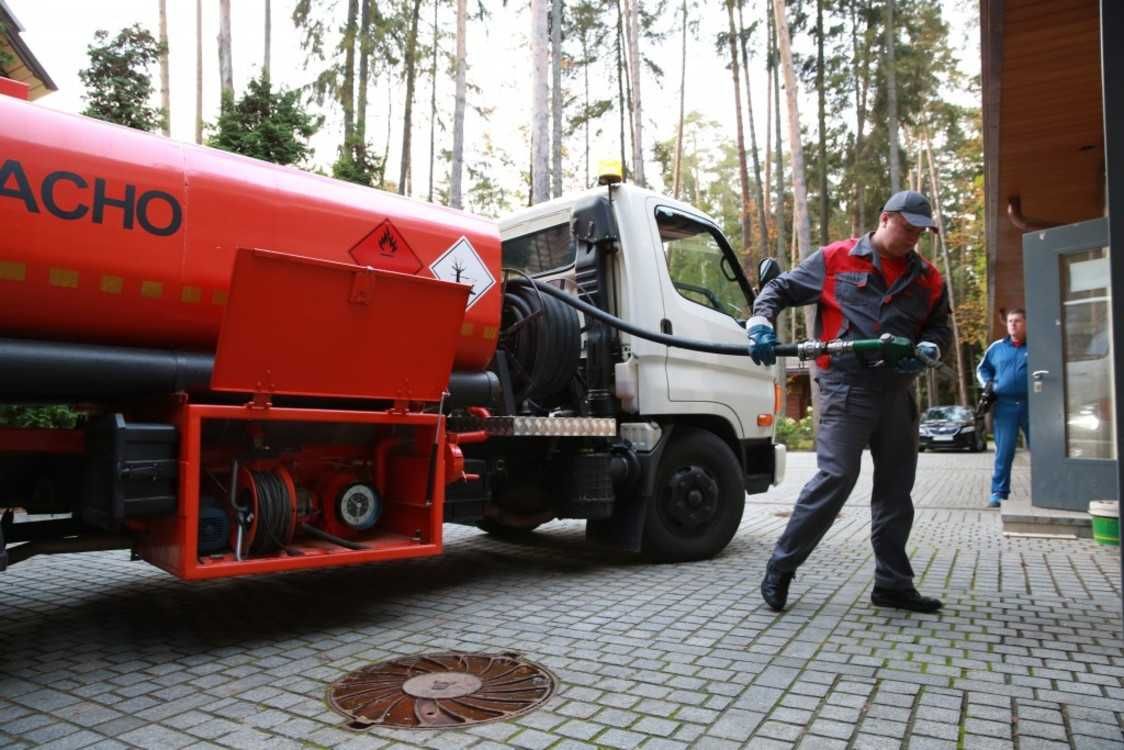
351, 342
110, 235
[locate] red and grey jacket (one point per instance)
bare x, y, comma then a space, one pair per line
845, 280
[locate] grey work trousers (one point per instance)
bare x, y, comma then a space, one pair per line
851, 418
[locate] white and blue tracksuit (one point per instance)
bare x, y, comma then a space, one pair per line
1005, 362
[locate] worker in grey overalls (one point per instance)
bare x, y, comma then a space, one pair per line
863, 287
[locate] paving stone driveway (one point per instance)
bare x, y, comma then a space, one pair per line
99, 651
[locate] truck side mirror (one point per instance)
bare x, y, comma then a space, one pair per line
767, 270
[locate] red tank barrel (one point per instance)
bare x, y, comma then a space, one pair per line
113, 236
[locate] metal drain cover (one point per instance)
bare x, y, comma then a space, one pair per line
441, 690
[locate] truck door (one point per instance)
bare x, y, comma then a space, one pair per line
706, 296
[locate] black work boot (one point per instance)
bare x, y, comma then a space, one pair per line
774, 587
904, 599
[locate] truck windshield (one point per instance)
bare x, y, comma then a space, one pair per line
702, 266
540, 252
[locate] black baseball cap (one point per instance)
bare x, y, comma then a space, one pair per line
913, 206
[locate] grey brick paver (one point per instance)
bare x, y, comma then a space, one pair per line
1026, 651
156, 737
620, 738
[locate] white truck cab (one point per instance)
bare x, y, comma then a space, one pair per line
663, 266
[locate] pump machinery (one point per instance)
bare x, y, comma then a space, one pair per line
274, 370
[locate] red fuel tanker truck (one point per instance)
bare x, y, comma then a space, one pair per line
278, 371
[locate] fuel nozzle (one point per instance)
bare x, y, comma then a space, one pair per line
889, 347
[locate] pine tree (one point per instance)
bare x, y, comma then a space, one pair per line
540, 139
457, 169
117, 81
411, 58
226, 61
198, 71
267, 124
165, 90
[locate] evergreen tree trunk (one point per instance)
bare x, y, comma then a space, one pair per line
676, 176
620, 87
347, 91
268, 39
226, 63
801, 224
457, 168
366, 43
632, 28
585, 71
892, 99
433, 104
761, 189
198, 71
540, 125
779, 198
743, 172
824, 215
389, 120
556, 98
408, 114
935, 187
165, 90
862, 87
768, 107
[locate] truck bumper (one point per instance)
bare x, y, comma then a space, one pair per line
780, 461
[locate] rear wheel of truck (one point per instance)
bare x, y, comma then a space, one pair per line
698, 500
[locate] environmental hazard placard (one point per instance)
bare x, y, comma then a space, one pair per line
463, 265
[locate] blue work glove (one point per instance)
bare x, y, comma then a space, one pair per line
762, 341
927, 354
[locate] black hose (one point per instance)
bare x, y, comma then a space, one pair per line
274, 513
736, 350
321, 534
544, 339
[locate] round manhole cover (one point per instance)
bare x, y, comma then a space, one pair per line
441, 690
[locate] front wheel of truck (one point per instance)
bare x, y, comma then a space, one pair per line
698, 499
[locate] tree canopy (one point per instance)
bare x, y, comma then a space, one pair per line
118, 85
266, 124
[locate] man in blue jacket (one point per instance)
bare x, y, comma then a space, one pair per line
1004, 364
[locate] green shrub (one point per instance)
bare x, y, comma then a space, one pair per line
796, 434
55, 416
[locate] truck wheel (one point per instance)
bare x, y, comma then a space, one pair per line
698, 500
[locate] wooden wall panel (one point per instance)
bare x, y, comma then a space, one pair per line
1050, 149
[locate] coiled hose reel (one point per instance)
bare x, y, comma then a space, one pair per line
267, 512
542, 335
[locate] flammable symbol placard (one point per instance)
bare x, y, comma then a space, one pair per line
386, 248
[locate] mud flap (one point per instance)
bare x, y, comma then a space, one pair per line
624, 529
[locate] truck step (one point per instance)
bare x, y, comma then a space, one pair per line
550, 427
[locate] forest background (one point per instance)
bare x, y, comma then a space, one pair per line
491, 106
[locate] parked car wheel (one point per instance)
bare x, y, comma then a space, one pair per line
698, 500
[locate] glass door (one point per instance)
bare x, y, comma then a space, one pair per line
1069, 332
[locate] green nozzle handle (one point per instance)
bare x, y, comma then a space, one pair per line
891, 348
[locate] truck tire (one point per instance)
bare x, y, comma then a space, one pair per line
698, 499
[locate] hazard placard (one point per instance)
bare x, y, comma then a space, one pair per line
463, 265
386, 248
